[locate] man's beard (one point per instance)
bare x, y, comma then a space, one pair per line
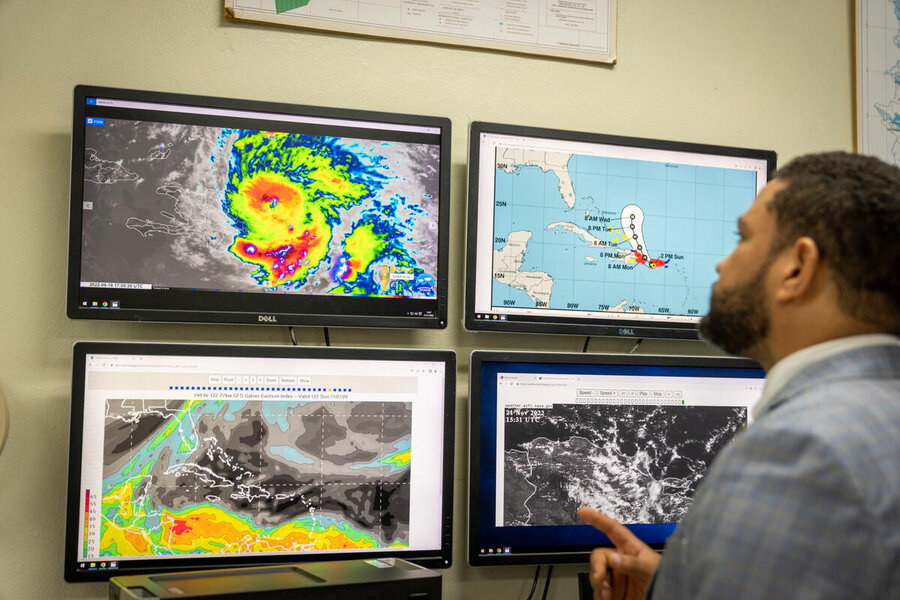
737, 319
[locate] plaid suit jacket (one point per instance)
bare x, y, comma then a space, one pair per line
805, 503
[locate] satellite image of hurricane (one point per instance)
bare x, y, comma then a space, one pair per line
211, 208
637, 464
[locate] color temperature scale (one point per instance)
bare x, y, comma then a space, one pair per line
91, 525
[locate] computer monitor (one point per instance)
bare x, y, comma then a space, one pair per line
191, 208
197, 456
630, 435
589, 234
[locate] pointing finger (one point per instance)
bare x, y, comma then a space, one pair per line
618, 534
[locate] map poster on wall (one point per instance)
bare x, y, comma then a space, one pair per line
878, 78
574, 29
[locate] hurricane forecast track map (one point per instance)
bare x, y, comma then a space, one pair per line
223, 209
637, 464
577, 232
204, 477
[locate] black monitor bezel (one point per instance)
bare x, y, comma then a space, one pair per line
264, 309
562, 325
551, 555
439, 558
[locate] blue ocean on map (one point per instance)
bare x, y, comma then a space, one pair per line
690, 216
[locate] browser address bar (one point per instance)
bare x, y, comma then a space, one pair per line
249, 114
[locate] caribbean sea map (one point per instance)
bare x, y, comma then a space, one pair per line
575, 232
205, 476
636, 463
211, 208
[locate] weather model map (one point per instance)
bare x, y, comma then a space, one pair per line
187, 206
217, 477
578, 232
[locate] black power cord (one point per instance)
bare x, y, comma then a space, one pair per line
547, 582
537, 573
294, 337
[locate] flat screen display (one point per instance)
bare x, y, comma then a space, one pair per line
594, 234
191, 456
190, 208
629, 435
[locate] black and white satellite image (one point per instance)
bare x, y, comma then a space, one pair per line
636, 463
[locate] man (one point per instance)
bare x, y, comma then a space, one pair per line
805, 503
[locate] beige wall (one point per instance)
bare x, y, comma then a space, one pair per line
770, 74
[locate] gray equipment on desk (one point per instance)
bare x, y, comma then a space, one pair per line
360, 579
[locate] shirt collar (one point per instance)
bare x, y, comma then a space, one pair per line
785, 369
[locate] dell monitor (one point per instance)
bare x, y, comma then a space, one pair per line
199, 209
185, 457
590, 234
629, 435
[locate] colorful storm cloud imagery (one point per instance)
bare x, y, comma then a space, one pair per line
312, 211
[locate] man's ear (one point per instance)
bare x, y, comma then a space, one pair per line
797, 268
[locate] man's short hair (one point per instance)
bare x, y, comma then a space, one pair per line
849, 204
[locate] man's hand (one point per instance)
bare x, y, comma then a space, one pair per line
623, 573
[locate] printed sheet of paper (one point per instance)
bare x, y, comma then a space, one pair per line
576, 29
878, 78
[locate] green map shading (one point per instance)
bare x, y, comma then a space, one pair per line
286, 5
